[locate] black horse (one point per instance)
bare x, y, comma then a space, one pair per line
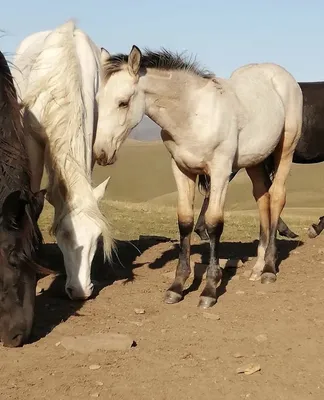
309, 150
20, 237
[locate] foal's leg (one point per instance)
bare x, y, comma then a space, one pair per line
262, 198
283, 228
186, 183
283, 160
214, 219
200, 227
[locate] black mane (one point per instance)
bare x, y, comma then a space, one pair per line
162, 59
14, 163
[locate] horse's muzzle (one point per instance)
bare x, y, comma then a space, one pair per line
104, 159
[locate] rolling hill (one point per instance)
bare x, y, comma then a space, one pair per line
143, 173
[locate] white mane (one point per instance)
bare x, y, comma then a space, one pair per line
66, 123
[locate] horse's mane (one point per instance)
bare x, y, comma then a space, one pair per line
162, 59
14, 162
63, 120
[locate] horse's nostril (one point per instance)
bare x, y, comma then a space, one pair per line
15, 341
102, 159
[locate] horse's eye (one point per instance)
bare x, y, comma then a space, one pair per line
123, 104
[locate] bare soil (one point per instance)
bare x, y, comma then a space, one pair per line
181, 352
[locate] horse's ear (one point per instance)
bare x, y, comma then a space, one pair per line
104, 56
13, 210
99, 191
134, 59
39, 202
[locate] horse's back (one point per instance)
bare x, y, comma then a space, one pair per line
271, 102
273, 78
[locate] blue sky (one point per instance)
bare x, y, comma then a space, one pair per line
222, 34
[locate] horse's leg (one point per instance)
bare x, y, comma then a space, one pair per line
186, 193
283, 229
315, 229
283, 156
260, 192
200, 227
214, 219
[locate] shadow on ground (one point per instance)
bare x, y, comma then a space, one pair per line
54, 307
228, 250
52, 304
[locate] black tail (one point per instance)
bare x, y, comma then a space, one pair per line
204, 180
269, 166
204, 183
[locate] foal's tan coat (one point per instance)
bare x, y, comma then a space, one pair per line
210, 126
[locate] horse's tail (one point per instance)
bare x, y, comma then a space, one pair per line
204, 183
269, 166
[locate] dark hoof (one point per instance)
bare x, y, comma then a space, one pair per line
268, 277
206, 302
202, 234
292, 235
172, 297
312, 232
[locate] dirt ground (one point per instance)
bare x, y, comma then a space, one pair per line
180, 353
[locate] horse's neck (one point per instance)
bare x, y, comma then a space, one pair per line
172, 97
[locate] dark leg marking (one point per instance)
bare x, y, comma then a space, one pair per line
174, 293
208, 296
270, 269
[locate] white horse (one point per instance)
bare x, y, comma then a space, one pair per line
57, 77
210, 126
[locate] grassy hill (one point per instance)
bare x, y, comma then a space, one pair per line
143, 173
141, 196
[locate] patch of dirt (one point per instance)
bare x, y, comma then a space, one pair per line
180, 353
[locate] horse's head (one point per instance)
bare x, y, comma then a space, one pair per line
77, 235
19, 237
121, 103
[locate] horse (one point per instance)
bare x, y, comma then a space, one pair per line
309, 150
20, 236
210, 126
57, 76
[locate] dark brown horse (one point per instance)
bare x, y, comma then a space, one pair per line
20, 237
309, 150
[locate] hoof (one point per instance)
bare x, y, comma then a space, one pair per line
255, 276
206, 302
311, 232
172, 297
202, 234
288, 234
268, 277
292, 235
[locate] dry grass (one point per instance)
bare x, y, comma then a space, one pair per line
141, 196
129, 220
